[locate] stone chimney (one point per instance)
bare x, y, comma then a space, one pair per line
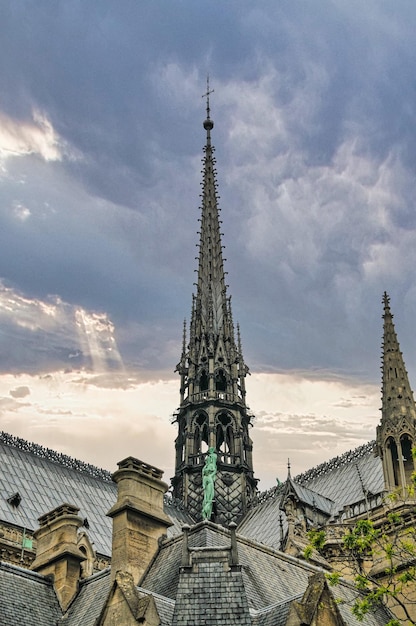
57, 552
138, 517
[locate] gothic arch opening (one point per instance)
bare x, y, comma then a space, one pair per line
220, 381
85, 546
179, 451
407, 445
203, 381
201, 434
224, 435
245, 447
180, 444
393, 462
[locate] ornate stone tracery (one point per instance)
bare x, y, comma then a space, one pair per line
213, 412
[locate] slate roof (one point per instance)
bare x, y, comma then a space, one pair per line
165, 607
211, 594
268, 579
88, 604
45, 479
271, 579
274, 615
312, 498
342, 481
346, 478
344, 594
257, 592
31, 599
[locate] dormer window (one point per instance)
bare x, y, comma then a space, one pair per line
15, 499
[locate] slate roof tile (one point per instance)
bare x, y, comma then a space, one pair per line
45, 479
343, 480
88, 604
26, 598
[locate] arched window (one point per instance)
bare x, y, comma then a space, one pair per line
393, 462
180, 443
406, 444
203, 381
220, 381
85, 546
245, 447
225, 437
201, 434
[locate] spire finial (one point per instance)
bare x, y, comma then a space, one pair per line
386, 302
208, 124
288, 468
206, 95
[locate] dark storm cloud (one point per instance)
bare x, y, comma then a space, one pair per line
314, 126
92, 67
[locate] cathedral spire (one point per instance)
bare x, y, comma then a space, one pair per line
396, 434
397, 396
213, 412
211, 291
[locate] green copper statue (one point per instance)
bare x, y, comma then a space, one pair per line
208, 479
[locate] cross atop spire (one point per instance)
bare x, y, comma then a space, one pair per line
206, 95
208, 124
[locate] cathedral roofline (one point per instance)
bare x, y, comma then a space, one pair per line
55, 457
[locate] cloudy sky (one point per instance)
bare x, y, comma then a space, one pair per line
100, 166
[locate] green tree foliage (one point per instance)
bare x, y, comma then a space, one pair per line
381, 555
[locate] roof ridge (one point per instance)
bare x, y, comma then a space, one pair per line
303, 478
335, 462
195, 528
271, 607
305, 486
159, 596
55, 457
96, 576
25, 573
284, 556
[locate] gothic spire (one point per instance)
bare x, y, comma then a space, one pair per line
397, 396
213, 411
396, 434
211, 291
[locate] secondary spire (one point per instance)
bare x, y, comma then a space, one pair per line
397, 395
396, 434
